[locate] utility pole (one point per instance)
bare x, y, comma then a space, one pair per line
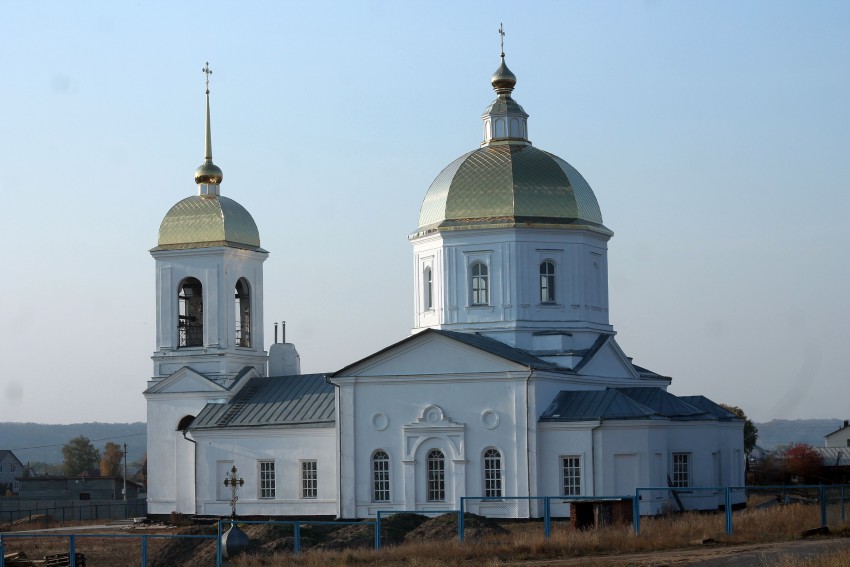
125, 472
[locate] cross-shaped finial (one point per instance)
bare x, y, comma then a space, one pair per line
233, 481
207, 71
502, 34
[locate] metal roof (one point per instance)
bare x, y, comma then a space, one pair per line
834, 456
202, 221
501, 349
711, 407
282, 401
514, 184
595, 405
666, 404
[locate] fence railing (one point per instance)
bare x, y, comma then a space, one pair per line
832, 500
92, 510
72, 542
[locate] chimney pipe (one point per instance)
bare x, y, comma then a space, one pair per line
283, 330
275, 332
846, 422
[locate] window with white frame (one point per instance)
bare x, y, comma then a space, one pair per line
436, 476
547, 282
571, 474
428, 289
492, 473
267, 479
681, 469
479, 284
309, 480
380, 477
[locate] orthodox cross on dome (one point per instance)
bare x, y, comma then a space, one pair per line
501, 38
207, 71
233, 481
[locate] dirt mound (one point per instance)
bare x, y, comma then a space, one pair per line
445, 527
186, 552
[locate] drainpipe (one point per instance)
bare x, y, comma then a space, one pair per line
195, 467
528, 418
338, 450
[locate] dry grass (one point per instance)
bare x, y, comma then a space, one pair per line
781, 523
837, 558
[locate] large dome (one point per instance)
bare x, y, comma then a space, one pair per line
507, 182
508, 185
202, 221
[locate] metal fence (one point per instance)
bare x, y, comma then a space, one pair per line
73, 539
296, 530
78, 511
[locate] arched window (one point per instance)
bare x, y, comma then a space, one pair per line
185, 422
492, 473
436, 476
428, 289
380, 477
547, 282
190, 316
243, 313
479, 284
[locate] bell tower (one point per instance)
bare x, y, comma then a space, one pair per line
209, 281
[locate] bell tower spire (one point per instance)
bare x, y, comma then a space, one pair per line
208, 176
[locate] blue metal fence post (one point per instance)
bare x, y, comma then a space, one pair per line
728, 506
460, 519
297, 537
72, 550
218, 545
823, 506
378, 531
547, 516
144, 551
636, 511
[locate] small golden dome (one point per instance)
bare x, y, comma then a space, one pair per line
503, 80
208, 173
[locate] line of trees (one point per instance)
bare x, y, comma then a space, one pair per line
80, 456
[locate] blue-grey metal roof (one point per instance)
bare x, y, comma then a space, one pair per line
501, 349
281, 401
666, 404
711, 407
834, 456
475, 340
587, 405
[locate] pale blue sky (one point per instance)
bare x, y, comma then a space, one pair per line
716, 136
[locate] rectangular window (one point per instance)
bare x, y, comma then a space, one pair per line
309, 480
681, 469
571, 468
267, 479
436, 476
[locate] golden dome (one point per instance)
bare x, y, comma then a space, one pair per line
203, 221
209, 173
503, 80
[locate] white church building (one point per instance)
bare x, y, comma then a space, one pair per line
511, 384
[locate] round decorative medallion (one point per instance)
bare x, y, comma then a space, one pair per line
490, 419
380, 421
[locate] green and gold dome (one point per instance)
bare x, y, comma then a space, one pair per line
507, 182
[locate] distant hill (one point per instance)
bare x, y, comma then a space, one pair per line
787, 431
38, 442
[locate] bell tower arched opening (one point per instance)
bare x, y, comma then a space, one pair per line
243, 313
190, 317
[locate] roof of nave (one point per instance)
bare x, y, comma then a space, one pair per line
305, 400
632, 403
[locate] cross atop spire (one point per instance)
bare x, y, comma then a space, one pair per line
502, 38
207, 71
